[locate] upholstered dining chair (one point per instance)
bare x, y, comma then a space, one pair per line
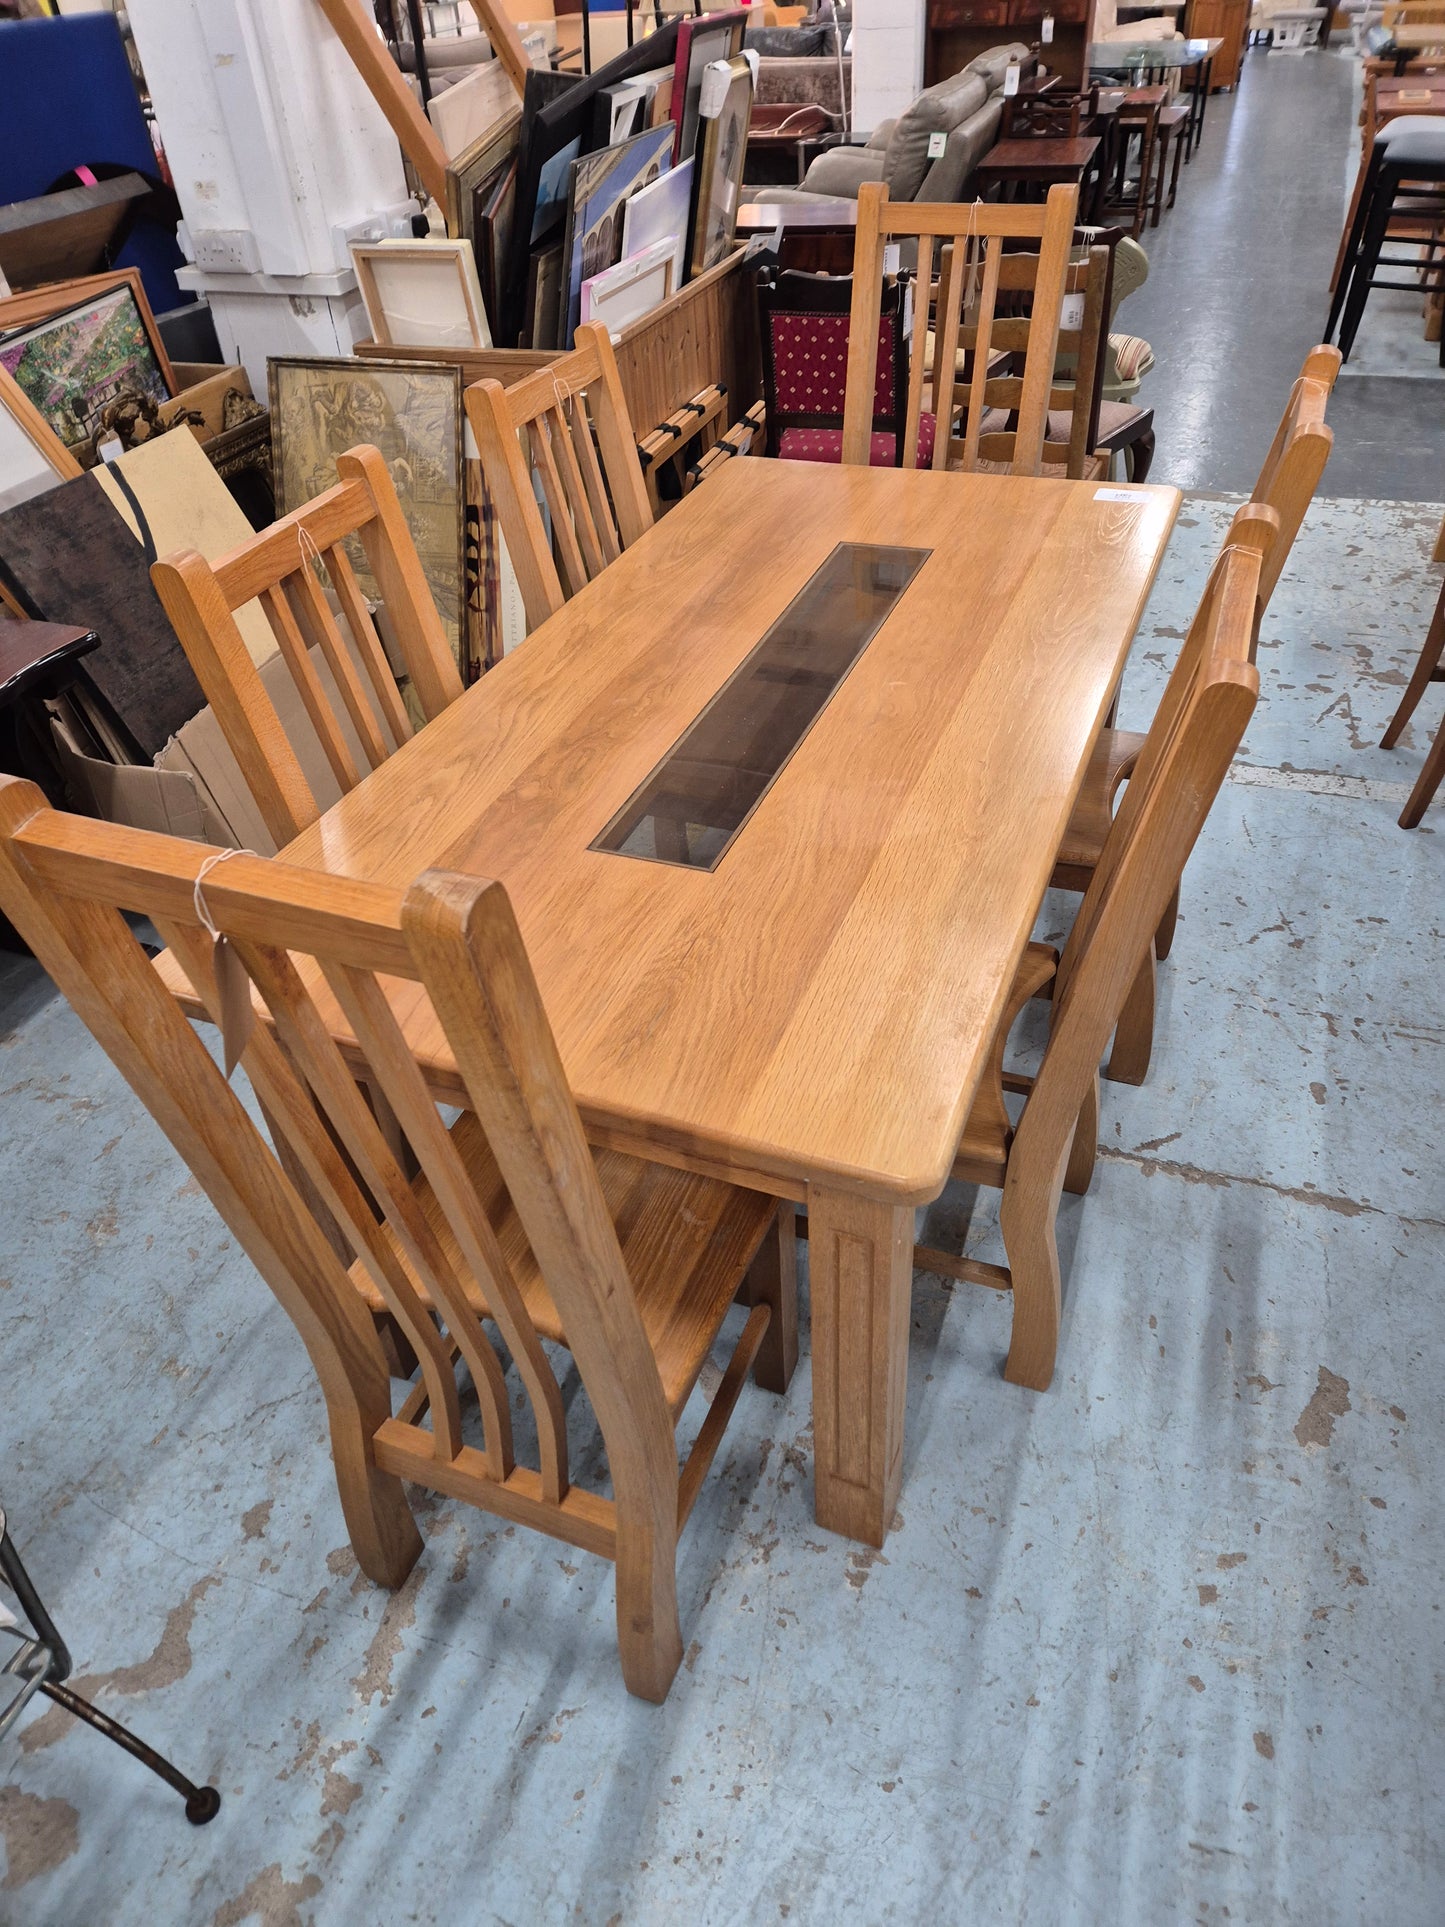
330, 646
1199, 727
1287, 482
1001, 418
569, 422
803, 323
512, 1233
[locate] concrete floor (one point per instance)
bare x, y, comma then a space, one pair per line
1238, 292
1162, 1644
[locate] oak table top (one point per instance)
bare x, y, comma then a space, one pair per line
811, 1015
820, 1004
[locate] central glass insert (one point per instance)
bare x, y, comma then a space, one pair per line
712, 779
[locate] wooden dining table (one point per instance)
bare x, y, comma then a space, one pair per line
797, 990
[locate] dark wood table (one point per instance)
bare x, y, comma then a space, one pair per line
1036, 164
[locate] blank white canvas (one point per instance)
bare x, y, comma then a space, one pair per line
659, 212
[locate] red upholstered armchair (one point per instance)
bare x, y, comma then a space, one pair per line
804, 326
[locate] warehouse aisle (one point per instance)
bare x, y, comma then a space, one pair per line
1238, 292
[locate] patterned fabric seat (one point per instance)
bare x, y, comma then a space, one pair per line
805, 370
826, 445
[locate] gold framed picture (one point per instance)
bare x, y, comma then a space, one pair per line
720, 171
412, 412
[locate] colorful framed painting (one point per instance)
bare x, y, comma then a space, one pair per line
720, 169
412, 412
75, 363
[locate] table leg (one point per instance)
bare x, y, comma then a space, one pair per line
860, 1281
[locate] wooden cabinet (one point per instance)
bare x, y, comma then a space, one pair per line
1226, 20
959, 29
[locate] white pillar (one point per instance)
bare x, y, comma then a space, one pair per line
888, 37
279, 155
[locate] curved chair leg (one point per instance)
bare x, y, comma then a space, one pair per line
1421, 675
1164, 935
1142, 452
1134, 1037
379, 1521
1027, 1225
1426, 785
1085, 1149
649, 1637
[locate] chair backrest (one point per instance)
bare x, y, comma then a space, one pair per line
1297, 457
1199, 726
1050, 116
972, 272
558, 422
803, 324
279, 566
322, 952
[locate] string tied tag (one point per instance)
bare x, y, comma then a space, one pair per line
233, 985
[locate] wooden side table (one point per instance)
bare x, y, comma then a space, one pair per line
1036, 164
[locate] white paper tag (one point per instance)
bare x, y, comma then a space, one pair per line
892, 257
937, 146
908, 312
1047, 35
715, 78
1115, 495
1071, 311
1011, 79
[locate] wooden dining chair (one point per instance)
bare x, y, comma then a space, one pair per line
569, 423
280, 567
1286, 486
513, 1228
1199, 727
973, 269
1427, 670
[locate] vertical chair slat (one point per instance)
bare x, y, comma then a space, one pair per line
982, 332
923, 296
370, 1017
291, 1110
586, 453
564, 536
560, 425
368, 643
314, 617
303, 673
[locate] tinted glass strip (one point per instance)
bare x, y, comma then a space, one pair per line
712, 779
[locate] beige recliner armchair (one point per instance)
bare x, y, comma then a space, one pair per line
965, 109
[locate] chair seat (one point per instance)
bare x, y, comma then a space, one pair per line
1115, 754
826, 445
1133, 357
686, 1242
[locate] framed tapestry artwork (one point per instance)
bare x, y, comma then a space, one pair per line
412, 412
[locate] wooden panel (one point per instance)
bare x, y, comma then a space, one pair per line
708, 332
823, 1022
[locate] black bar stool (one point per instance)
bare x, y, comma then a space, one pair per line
1405, 177
39, 1661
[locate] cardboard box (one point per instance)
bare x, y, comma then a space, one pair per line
195, 788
